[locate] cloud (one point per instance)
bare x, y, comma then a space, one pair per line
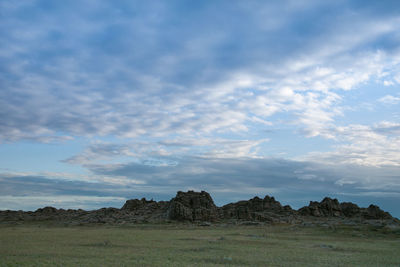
164, 148
93, 76
100, 151
389, 100
240, 175
363, 145
292, 182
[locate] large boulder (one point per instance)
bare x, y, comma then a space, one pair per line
192, 206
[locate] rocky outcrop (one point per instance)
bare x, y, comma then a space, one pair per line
257, 209
192, 206
375, 213
332, 208
326, 208
199, 207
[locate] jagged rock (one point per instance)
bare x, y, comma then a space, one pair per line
326, 208
374, 212
332, 208
192, 206
136, 204
256, 209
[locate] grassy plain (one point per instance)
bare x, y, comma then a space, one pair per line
186, 245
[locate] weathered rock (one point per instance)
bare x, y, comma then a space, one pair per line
267, 209
47, 210
192, 206
374, 212
326, 208
136, 204
332, 208
350, 209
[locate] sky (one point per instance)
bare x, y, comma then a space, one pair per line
104, 101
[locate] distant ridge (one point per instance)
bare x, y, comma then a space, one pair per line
199, 207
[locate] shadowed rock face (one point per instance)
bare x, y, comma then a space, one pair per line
332, 208
199, 207
350, 209
136, 204
326, 208
374, 212
193, 206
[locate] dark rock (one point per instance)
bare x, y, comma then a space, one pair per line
374, 212
132, 204
332, 208
350, 209
257, 209
135, 204
47, 210
192, 206
326, 208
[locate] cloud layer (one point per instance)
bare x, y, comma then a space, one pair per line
136, 70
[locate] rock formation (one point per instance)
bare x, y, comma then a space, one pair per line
192, 206
257, 209
326, 208
332, 208
199, 207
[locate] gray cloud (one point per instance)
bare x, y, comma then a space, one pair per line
292, 182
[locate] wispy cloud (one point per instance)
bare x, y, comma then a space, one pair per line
390, 100
376, 145
92, 78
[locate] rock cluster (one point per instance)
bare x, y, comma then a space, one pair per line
257, 209
332, 208
199, 207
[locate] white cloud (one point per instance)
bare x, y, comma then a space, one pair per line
388, 83
97, 94
160, 151
389, 100
101, 151
377, 145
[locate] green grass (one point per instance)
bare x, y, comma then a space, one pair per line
185, 245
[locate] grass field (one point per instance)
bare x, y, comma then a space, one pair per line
185, 245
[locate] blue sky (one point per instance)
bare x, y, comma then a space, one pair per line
102, 101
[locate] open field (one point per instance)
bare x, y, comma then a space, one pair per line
187, 245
